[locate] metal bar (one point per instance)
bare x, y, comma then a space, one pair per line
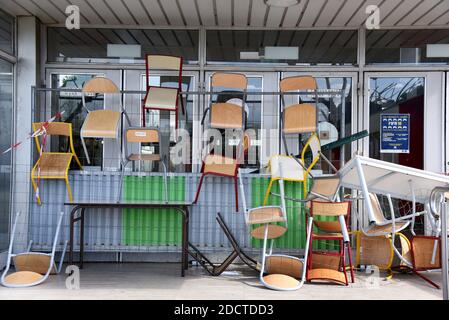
444, 208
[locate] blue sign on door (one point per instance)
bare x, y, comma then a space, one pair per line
395, 133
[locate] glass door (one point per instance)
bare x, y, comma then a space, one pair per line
165, 120
262, 115
337, 115
394, 99
103, 154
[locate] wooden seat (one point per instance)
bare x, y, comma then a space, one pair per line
101, 124
286, 265
226, 116
281, 281
214, 163
327, 275
387, 229
300, 118
54, 165
160, 98
35, 262
265, 215
23, 278
375, 251
274, 231
144, 157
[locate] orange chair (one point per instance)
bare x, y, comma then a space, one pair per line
54, 165
159, 97
330, 265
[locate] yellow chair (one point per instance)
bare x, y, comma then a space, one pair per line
54, 165
293, 169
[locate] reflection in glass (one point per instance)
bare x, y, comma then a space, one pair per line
404, 96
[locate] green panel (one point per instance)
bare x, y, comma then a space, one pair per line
152, 226
295, 237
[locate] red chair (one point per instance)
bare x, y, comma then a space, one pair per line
326, 265
160, 97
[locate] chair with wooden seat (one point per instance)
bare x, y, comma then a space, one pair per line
143, 135
53, 165
226, 116
104, 123
31, 268
277, 271
298, 118
163, 98
327, 265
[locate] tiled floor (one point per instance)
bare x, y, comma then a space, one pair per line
162, 281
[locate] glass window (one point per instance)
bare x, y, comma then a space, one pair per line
71, 104
329, 47
404, 46
165, 121
6, 109
6, 32
90, 45
334, 117
389, 95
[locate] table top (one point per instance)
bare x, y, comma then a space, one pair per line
128, 203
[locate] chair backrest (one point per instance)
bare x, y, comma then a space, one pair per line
155, 62
100, 84
330, 209
229, 80
285, 168
325, 187
142, 135
377, 209
54, 129
301, 83
299, 118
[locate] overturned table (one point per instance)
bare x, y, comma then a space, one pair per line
81, 206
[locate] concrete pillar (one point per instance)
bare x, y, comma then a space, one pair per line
27, 76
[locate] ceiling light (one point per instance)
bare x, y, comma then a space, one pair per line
281, 3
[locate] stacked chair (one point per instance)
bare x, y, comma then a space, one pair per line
31, 268
105, 123
225, 116
277, 271
163, 98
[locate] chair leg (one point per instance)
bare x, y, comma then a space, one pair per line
144, 122
35, 189
120, 190
199, 189
351, 266
236, 190
267, 193
165, 181
85, 148
69, 190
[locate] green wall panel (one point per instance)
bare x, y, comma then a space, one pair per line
295, 237
155, 227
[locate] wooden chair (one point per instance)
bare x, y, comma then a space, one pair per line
31, 268
54, 165
104, 123
143, 135
298, 118
326, 267
226, 116
426, 255
277, 271
160, 97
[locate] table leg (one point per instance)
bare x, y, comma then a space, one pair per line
82, 239
72, 232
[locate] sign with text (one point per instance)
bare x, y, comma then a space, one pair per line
395, 133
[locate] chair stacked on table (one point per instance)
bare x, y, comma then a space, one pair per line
225, 116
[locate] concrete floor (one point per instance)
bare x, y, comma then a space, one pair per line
162, 281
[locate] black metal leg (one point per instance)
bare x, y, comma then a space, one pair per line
82, 239
72, 227
186, 249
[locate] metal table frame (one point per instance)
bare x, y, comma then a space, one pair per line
81, 206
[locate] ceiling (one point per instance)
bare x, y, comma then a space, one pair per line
235, 13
